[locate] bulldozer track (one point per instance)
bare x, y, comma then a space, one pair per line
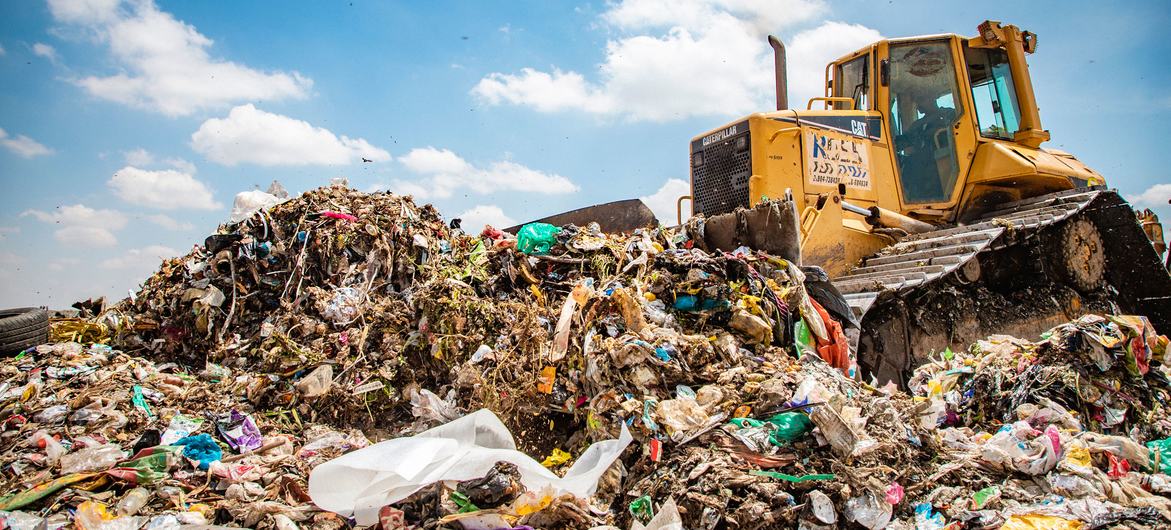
918, 266
923, 258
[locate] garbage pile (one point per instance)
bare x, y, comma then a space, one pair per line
348, 359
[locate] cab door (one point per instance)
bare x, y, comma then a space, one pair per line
929, 128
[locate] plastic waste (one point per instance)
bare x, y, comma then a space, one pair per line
895, 493
331, 440
1019, 447
927, 519
53, 449
278, 190
361, 482
752, 326
1160, 455
317, 383
821, 509
201, 447
247, 203
556, 458
341, 216
536, 238
667, 519
133, 501
91, 515
580, 295
1119, 467
180, 427
239, 430
95, 458
783, 429
430, 408
483, 352
642, 508
681, 415
18, 520
53, 414
868, 510
1036, 521
792, 478
500, 485
345, 306
283, 522
984, 497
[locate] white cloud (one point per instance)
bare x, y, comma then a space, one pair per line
81, 225
84, 11
250, 135
432, 160
22, 145
1154, 197
164, 64
3, 52
476, 217
170, 223
41, 49
760, 15
546, 92
809, 52
165, 189
138, 157
445, 172
181, 165
663, 201
691, 58
146, 258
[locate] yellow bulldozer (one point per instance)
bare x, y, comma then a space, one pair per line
921, 194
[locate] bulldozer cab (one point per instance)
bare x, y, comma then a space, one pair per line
940, 97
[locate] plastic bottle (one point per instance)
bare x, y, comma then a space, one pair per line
133, 501
96, 458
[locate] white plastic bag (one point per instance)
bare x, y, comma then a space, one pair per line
250, 202
363, 481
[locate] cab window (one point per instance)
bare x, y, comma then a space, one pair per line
993, 92
924, 110
851, 80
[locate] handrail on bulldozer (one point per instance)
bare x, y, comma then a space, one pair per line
679, 208
828, 100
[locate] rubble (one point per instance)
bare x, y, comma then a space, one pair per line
353, 352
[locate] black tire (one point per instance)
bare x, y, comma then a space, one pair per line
23, 328
21, 319
11, 334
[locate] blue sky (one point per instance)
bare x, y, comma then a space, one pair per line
129, 126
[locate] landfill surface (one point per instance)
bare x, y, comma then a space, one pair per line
343, 359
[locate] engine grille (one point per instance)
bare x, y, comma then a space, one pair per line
720, 184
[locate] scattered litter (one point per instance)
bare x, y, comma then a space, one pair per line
341, 354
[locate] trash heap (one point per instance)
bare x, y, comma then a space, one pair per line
562, 378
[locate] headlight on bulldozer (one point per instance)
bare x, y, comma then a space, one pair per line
741, 144
697, 159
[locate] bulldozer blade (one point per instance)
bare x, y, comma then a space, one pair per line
618, 216
770, 226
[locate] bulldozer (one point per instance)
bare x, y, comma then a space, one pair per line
921, 192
